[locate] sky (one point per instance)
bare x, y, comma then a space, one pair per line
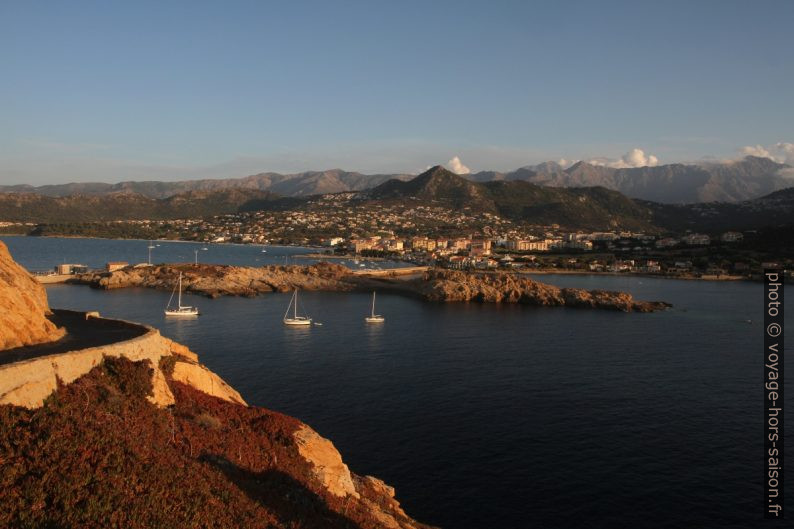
167, 90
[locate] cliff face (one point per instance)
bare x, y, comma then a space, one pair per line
23, 307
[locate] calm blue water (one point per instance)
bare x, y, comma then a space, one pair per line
40, 254
488, 416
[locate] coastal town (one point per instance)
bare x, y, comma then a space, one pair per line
433, 235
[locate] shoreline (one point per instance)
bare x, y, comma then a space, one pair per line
321, 256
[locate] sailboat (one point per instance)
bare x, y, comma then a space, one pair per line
295, 319
374, 318
180, 309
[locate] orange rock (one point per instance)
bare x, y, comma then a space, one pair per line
23, 307
181, 350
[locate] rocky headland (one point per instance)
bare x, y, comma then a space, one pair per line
453, 285
433, 285
138, 433
23, 307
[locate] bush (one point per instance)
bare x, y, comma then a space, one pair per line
167, 364
134, 379
208, 421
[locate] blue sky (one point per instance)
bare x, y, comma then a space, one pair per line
169, 90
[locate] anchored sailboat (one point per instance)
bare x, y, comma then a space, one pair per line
374, 318
180, 309
295, 319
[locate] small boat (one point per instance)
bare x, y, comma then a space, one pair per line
180, 309
205, 248
295, 319
374, 318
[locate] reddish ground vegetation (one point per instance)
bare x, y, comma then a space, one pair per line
98, 454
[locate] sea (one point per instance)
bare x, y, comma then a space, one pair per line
492, 416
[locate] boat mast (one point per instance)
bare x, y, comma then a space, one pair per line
286, 313
180, 290
296, 303
373, 303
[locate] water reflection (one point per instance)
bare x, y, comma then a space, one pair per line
374, 333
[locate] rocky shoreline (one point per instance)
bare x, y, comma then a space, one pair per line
223, 280
434, 285
107, 423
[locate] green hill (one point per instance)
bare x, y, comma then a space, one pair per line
592, 207
30, 207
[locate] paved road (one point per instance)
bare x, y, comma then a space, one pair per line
81, 333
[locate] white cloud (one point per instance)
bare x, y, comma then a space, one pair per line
457, 167
565, 163
633, 158
780, 152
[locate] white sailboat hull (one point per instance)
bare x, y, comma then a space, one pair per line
297, 321
184, 312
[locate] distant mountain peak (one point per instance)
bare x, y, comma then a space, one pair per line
581, 164
436, 184
549, 166
439, 171
760, 161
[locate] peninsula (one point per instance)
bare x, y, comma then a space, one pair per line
431, 285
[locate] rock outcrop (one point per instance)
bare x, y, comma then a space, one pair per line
223, 280
433, 285
452, 285
197, 376
327, 467
23, 307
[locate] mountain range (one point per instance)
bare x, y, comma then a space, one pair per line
745, 179
42, 209
594, 207
295, 185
